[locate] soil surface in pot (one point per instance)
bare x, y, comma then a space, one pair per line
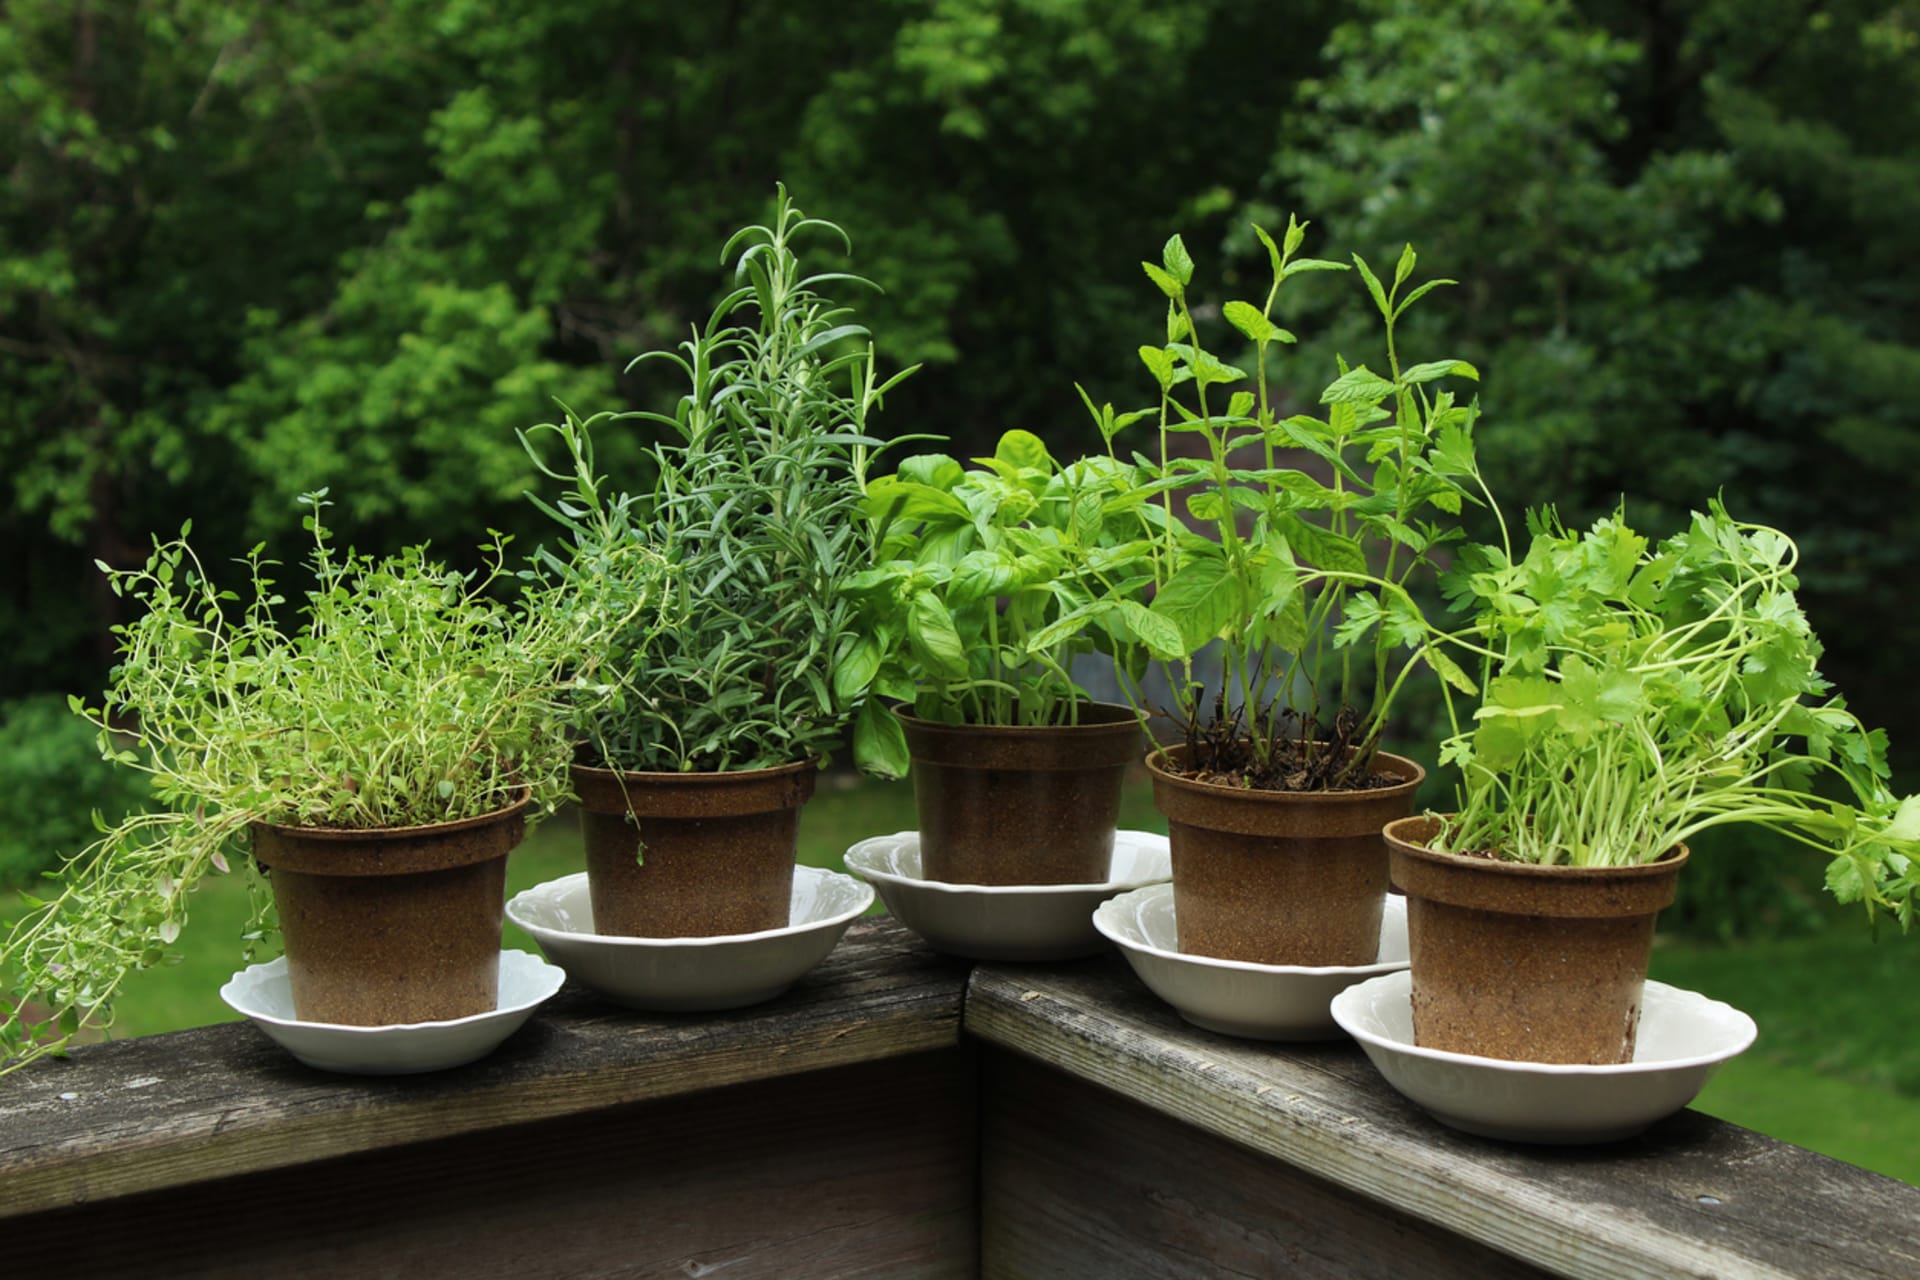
1311, 761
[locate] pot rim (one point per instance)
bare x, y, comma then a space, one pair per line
1672, 860
405, 832
1126, 718
695, 777
1406, 785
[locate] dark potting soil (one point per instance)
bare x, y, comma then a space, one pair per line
1303, 757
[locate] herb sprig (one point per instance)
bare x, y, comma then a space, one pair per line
1323, 571
1638, 696
405, 695
986, 582
750, 531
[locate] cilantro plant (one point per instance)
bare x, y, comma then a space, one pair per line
406, 694
743, 545
1301, 573
984, 581
1638, 696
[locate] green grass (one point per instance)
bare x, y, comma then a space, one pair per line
1837, 1064
1836, 1069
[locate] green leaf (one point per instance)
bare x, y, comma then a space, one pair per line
1166, 283
1273, 250
1298, 265
1440, 369
1162, 637
980, 575
1178, 261
856, 668
1248, 319
1373, 283
1159, 362
1418, 294
913, 502
1202, 599
1024, 449
1404, 267
1207, 368
1296, 234
1449, 670
935, 470
1845, 880
1906, 820
931, 634
1321, 547
879, 742
1359, 385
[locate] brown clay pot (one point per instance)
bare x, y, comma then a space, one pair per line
680, 855
1531, 963
1020, 804
1279, 877
395, 924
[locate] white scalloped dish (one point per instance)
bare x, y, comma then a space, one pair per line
262, 994
675, 975
1004, 921
1238, 997
1683, 1038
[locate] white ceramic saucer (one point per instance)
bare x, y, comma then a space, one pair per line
722, 971
1237, 997
1683, 1037
261, 992
1004, 921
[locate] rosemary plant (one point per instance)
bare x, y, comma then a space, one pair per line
745, 540
406, 695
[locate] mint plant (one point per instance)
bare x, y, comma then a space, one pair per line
984, 584
406, 694
1302, 574
746, 654
1637, 696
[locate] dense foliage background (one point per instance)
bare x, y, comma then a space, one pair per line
246, 251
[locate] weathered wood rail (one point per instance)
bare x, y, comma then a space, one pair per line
894, 1115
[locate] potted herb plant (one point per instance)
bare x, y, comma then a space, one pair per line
1276, 797
379, 757
743, 675
1635, 697
972, 614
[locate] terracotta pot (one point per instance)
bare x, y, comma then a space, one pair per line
1531, 963
394, 924
679, 855
1279, 877
1005, 804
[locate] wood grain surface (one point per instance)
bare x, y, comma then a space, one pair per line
161, 1111
862, 1171
1691, 1197
1080, 1182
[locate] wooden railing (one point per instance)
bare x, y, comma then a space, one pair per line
897, 1114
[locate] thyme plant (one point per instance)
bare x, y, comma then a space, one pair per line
405, 694
745, 541
1301, 573
1637, 696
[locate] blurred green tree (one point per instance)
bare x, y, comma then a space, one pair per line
249, 251
1681, 230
